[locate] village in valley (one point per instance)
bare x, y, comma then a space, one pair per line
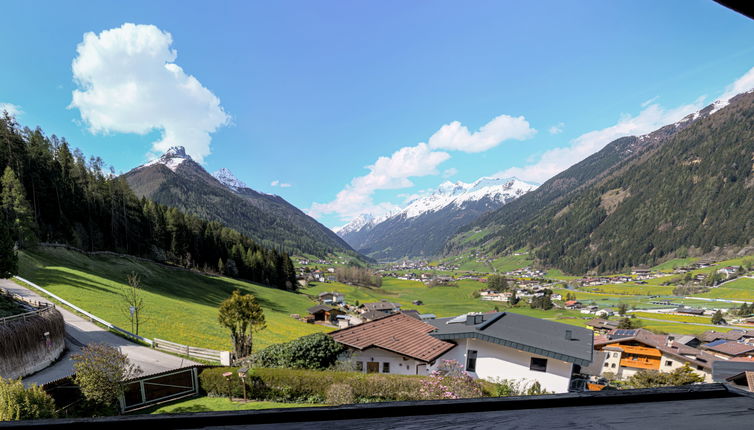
687, 314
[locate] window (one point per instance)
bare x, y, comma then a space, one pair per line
538, 364
613, 365
471, 361
385, 367
607, 364
359, 366
668, 363
699, 368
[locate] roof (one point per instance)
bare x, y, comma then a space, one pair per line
712, 335
326, 293
601, 323
571, 302
595, 369
730, 348
317, 308
374, 315
690, 355
638, 335
380, 306
525, 333
723, 369
398, 333
745, 379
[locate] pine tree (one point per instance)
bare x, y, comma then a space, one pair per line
17, 208
8, 257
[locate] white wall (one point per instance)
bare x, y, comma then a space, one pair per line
399, 365
676, 363
501, 362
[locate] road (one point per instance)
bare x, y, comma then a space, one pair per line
80, 332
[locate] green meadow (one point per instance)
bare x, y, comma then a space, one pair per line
740, 289
181, 306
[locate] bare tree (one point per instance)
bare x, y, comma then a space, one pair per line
133, 298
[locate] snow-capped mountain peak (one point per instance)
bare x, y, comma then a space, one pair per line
172, 158
498, 189
227, 178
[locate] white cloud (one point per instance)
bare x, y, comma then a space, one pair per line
447, 173
557, 128
393, 172
556, 160
13, 110
455, 136
741, 85
650, 101
129, 83
386, 173
277, 183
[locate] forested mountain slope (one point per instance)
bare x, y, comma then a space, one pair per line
640, 199
52, 194
177, 181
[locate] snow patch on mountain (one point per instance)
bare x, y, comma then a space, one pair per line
447, 194
457, 194
172, 158
227, 178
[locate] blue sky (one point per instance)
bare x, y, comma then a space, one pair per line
354, 106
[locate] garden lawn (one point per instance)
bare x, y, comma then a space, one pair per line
181, 306
207, 404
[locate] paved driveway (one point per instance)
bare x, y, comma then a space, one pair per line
80, 331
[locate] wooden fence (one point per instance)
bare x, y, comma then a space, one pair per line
39, 307
189, 351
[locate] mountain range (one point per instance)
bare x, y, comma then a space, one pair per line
684, 189
422, 228
176, 180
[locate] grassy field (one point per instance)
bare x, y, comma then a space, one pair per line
632, 289
674, 318
740, 289
207, 404
670, 265
181, 306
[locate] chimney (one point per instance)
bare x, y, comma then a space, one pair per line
569, 335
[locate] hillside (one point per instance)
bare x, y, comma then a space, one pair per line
175, 180
422, 228
181, 306
684, 188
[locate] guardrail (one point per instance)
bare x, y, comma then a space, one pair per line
189, 351
85, 313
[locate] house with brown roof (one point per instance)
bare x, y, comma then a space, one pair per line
396, 343
600, 325
630, 351
496, 345
727, 349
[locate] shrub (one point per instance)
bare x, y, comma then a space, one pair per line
302, 385
510, 387
450, 381
652, 378
340, 394
101, 372
315, 351
19, 403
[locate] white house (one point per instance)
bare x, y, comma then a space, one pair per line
490, 346
397, 343
505, 345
